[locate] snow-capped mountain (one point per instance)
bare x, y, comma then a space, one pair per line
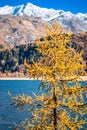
31, 10
74, 22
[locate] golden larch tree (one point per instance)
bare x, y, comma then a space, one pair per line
62, 104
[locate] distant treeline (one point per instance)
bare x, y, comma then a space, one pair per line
10, 60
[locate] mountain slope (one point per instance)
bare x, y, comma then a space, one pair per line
15, 30
74, 22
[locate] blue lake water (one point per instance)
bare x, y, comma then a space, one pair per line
9, 116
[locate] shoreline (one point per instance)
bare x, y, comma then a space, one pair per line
83, 78
18, 78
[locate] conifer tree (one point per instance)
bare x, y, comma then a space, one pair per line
62, 104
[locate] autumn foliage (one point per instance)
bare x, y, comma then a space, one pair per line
62, 104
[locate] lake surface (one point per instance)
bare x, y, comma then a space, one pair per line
9, 116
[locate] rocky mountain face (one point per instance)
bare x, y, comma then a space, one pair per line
74, 22
23, 24
15, 30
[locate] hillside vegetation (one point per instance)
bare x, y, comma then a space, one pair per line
12, 60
